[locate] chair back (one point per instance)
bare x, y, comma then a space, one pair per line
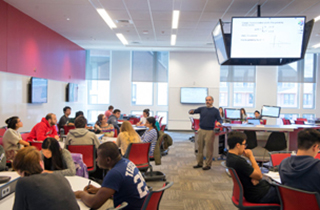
135, 120
263, 122
67, 128
236, 122
2, 131
153, 199
115, 133
299, 122
292, 199
160, 120
121, 206
163, 127
36, 144
196, 124
138, 153
277, 157
24, 136
237, 195
251, 139
286, 121
88, 152
276, 142
302, 119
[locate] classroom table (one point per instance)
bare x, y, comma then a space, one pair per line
290, 130
76, 182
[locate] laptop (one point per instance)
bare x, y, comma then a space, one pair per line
254, 121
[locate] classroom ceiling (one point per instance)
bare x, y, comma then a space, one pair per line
146, 24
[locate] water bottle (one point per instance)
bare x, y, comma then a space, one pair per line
61, 134
293, 153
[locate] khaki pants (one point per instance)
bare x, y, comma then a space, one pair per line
205, 138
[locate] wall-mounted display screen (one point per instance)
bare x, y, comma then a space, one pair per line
72, 92
267, 37
193, 95
38, 89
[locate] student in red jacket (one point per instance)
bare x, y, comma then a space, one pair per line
45, 128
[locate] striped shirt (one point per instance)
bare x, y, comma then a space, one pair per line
152, 137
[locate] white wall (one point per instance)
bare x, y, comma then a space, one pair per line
190, 69
14, 94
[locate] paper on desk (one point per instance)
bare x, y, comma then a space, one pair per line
273, 175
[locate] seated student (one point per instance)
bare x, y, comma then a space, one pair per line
123, 181
257, 114
78, 113
113, 119
103, 127
57, 160
11, 139
243, 114
44, 129
255, 189
143, 119
108, 113
151, 135
64, 120
81, 135
40, 191
302, 171
127, 135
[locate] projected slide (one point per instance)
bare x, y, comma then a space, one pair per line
193, 95
270, 111
267, 37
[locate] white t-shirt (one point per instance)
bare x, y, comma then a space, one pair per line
143, 120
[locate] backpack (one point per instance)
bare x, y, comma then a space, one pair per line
81, 168
3, 159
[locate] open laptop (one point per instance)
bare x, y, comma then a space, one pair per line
254, 121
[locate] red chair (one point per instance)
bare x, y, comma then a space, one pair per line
2, 131
131, 121
153, 199
295, 199
163, 127
115, 133
138, 153
299, 122
277, 157
160, 120
89, 155
67, 128
24, 136
196, 124
286, 121
135, 120
263, 122
236, 122
36, 144
318, 155
121, 206
239, 200
302, 119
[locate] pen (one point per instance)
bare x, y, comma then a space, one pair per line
88, 184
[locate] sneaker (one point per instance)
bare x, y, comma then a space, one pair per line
197, 166
206, 168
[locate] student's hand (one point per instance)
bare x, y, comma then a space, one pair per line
91, 189
248, 153
218, 123
46, 171
254, 181
78, 193
191, 111
56, 137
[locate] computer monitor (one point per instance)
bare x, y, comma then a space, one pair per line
233, 114
254, 121
270, 111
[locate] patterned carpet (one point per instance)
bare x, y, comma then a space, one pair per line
193, 188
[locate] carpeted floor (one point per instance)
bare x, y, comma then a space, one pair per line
193, 189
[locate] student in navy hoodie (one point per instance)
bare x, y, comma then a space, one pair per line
302, 171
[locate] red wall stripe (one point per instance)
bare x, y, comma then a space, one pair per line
33, 49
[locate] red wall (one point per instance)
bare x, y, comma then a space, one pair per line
29, 48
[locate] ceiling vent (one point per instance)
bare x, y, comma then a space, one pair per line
135, 43
125, 22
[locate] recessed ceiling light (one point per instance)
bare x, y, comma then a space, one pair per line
175, 19
173, 39
103, 13
122, 39
145, 32
316, 45
68, 18
317, 18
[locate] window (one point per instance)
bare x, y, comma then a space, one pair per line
308, 95
237, 85
164, 120
309, 116
98, 77
149, 69
288, 95
93, 115
289, 116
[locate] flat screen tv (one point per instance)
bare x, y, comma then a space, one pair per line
193, 95
267, 37
220, 43
72, 92
38, 90
270, 111
233, 114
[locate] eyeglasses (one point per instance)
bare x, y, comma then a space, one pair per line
245, 145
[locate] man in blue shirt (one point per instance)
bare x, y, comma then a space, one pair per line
209, 115
123, 181
302, 171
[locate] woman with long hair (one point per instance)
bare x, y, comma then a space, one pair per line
243, 114
143, 120
40, 191
102, 126
127, 135
151, 135
221, 112
57, 160
12, 140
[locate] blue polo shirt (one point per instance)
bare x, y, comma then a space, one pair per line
126, 179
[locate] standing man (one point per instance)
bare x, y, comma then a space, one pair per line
208, 117
108, 113
113, 119
64, 120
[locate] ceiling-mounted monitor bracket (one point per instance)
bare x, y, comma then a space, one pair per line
259, 11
